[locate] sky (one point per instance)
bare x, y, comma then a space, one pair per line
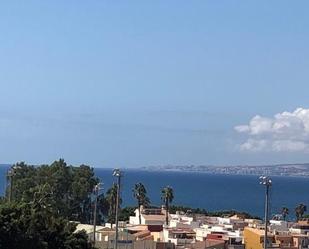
142, 83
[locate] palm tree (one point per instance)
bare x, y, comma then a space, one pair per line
284, 212
139, 193
111, 198
167, 197
300, 210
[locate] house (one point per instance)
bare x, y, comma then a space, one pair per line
89, 230
301, 227
178, 236
154, 218
181, 220
278, 225
107, 240
254, 238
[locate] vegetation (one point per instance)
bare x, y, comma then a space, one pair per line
42, 202
167, 197
36, 225
202, 211
125, 213
140, 194
71, 187
300, 210
228, 213
284, 212
111, 199
185, 209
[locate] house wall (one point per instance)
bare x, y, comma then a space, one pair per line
146, 244
254, 240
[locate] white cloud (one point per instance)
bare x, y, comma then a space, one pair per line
254, 145
285, 132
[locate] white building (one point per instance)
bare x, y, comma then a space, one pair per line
302, 227
178, 236
278, 225
150, 217
180, 220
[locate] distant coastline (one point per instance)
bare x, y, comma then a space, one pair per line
289, 170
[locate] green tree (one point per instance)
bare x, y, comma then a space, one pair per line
167, 196
284, 212
140, 194
111, 198
71, 187
300, 210
35, 225
126, 212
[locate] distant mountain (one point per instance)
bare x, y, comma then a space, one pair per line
297, 170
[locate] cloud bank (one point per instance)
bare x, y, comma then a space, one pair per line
285, 132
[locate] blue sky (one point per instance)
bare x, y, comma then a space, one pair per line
139, 83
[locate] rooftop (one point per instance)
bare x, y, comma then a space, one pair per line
87, 228
159, 217
260, 232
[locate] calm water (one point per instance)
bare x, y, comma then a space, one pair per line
212, 192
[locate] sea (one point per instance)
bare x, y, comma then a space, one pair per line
211, 192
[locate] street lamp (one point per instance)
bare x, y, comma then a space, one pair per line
10, 174
266, 181
118, 174
96, 190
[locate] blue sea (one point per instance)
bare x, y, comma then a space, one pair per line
212, 192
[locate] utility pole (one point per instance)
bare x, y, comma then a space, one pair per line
265, 180
10, 174
96, 193
117, 173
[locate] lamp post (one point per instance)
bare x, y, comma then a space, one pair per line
96, 190
266, 181
10, 174
117, 173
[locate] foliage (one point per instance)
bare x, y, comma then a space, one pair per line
70, 187
111, 199
126, 212
140, 194
103, 209
300, 210
228, 213
35, 225
222, 213
167, 196
284, 212
185, 209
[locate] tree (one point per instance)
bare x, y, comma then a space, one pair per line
300, 210
167, 196
111, 198
140, 194
35, 225
71, 187
126, 212
284, 212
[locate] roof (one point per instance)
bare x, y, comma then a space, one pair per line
154, 211
208, 243
258, 231
87, 228
105, 231
297, 235
154, 217
137, 228
180, 230
142, 234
